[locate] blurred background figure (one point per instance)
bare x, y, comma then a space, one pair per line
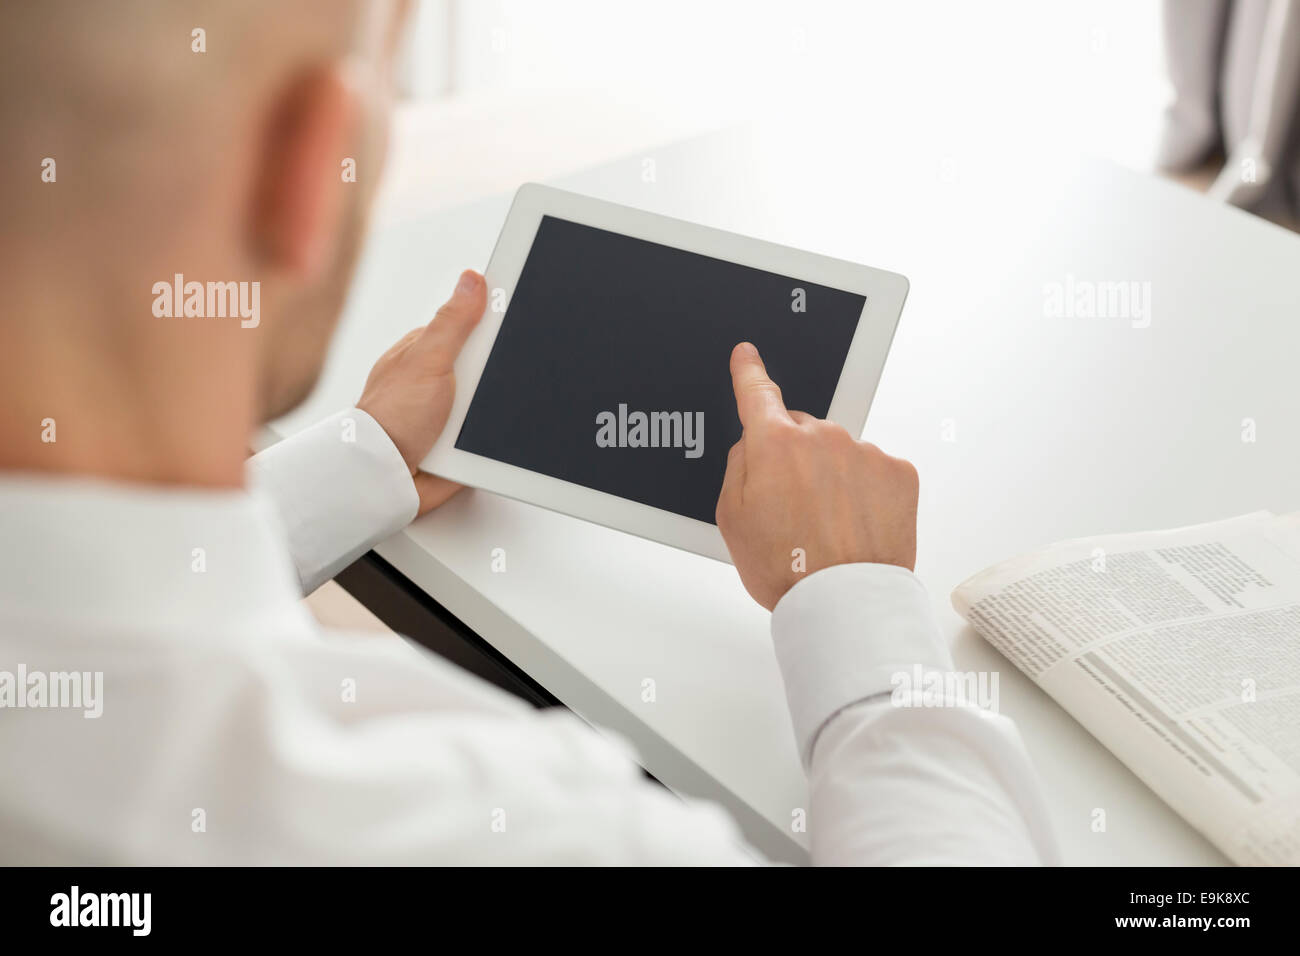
1235, 70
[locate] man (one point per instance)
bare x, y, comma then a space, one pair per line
133, 548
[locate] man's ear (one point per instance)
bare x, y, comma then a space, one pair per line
300, 198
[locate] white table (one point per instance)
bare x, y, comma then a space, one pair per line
1063, 428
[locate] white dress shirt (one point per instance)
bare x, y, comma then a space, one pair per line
232, 729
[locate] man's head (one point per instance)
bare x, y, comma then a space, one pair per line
231, 141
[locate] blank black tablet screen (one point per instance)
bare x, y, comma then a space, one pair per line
611, 366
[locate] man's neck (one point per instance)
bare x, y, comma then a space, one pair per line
162, 403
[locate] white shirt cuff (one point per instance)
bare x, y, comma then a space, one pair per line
340, 487
842, 633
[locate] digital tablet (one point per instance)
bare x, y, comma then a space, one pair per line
598, 382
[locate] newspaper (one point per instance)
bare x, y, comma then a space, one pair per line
1178, 650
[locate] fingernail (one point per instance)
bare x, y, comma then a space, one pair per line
748, 350
467, 281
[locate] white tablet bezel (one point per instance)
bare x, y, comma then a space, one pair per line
884, 291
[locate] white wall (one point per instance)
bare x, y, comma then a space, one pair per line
1086, 73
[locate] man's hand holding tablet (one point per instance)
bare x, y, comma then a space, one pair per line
411, 388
